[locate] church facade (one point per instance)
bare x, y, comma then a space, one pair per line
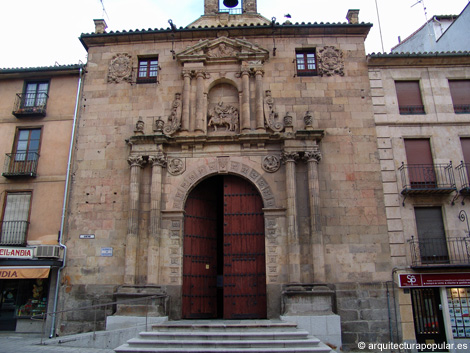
230, 166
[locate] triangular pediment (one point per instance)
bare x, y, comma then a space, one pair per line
223, 49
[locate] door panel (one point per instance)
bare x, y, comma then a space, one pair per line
244, 251
200, 253
427, 316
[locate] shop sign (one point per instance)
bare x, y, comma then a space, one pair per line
416, 280
22, 253
24, 272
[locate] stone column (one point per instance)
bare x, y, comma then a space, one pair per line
245, 121
316, 237
293, 246
200, 76
136, 164
153, 262
186, 100
259, 101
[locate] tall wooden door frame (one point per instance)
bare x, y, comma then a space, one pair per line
224, 266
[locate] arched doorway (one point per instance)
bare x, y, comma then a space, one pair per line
224, 268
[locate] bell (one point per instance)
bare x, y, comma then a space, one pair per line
230, 3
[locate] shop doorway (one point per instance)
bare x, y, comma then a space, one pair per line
224, 268
427, 315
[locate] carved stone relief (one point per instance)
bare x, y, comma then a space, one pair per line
176, 166
174, 120
223, 115
330, 61
120, 68
271, 117
271, 163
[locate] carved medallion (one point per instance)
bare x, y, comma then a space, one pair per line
271, 163
120, 68
176, 166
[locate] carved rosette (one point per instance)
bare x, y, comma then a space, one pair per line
136, 161
120, 68
312, 156
289, 157
330, 61
176, 166
158, 160
271, 163
271, 117
174, 120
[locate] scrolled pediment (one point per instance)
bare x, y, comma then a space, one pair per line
223, 49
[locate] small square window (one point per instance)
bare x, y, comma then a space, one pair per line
148, 71
306, 62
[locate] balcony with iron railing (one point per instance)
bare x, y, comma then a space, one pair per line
462, 108
30, 104
24, 164
440, 252
411, 109
427, 179
14, 232
463, 169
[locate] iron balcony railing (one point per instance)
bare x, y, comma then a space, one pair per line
30, 104
21, 164
462, 108
14, 232
427, 178
435, 252
411, 109
463, 169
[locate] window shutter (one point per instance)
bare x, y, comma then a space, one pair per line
418, 151
409, 97
465, 142
460, 91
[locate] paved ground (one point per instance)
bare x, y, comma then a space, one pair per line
11, 342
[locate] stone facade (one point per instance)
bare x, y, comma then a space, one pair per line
228, 101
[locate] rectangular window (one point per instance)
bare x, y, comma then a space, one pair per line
35, 94
306, 63
409, 97
459, 303
27, 144
15, 218
148, 70
460, 92
421, 171
431, 235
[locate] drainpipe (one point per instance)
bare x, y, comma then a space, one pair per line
64, 205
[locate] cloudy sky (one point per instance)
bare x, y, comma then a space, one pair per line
45, 32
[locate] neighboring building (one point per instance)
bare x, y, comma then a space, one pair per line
231, 166
439, 34
37, 111
422, 110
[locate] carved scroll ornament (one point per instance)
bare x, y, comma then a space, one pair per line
271, 117
174, 120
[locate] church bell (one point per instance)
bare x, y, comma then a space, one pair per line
230, 3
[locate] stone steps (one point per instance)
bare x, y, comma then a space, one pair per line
224, 336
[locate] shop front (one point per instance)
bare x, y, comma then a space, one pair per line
24, 289
440, 306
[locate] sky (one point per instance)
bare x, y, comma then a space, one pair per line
35, 33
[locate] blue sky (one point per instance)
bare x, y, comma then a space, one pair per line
44, 32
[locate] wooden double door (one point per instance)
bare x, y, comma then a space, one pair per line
224, 268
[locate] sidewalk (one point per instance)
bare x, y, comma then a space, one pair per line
11, 342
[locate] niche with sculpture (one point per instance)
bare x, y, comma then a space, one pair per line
223, 113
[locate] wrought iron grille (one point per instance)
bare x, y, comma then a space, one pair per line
30, 104
440, 251
463, 170
411, 109
21, 164
427, 178
14, 232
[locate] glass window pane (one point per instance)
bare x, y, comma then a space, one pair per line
34, 146
35, 134
22, 146
23, 135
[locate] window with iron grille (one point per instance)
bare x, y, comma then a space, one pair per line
148, 70
409, 97
15, 218
460, 92
306, 62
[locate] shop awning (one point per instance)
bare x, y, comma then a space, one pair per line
10, 272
